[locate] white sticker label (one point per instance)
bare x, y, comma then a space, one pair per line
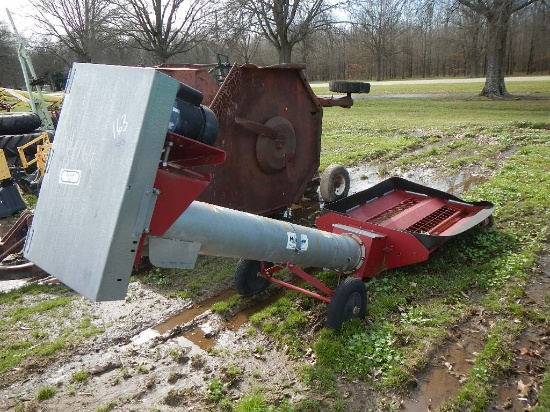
303, 243
291, 240
70, 176
297, 243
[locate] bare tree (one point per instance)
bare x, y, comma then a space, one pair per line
380, 21
166, 27
232, 34
284, 23
497, 13
80, 25
10, 74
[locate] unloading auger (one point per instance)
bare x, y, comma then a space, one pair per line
118, 186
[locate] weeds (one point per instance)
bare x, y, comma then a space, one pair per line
81, 376
46, 392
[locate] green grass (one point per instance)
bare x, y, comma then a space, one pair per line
210, 274
46, 392
81, 376
535, 88
380, 130
411, 309
41, 328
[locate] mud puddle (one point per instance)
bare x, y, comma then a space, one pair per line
204, 327
519, 390
449, 369
364, 177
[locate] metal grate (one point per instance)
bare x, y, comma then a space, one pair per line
432, 220
394, 211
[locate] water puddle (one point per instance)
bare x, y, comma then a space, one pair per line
519, 389
202, 336
244, 315
190, 314
447, 373
519, 392
364, 177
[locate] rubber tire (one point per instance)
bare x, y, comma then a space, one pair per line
349, 87
10, 143
349, 301
19, 122
488, 222
332, 179
247, 280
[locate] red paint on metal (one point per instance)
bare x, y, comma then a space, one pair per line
393, 249
269, 272
176, 184
176, 180
193, 75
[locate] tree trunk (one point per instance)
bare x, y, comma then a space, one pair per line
497, 22
285, 54
378, 67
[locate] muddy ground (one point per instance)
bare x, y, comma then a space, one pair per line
159, 353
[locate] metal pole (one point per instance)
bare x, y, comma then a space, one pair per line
40, 107
230, 233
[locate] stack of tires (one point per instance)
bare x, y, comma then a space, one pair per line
17, 129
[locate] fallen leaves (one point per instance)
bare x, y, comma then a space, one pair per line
524, 389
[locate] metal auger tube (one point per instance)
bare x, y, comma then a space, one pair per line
230, 233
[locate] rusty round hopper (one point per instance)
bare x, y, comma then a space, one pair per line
193, 75
270, 129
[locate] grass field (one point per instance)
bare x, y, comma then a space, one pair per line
411, 311
535, 88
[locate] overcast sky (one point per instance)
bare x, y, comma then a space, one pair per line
18, 9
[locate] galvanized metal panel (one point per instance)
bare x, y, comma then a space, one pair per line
173, 253
97, 193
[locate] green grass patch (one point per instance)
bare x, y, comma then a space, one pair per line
46, 392
42, 327
385, 129
210, 274
18, 314
534, 88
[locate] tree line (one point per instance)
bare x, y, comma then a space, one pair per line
348, 39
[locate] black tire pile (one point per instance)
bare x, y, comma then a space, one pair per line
17, 129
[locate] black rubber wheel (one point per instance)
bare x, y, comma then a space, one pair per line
335, 183
10, 143
349, 87
19, 122
349, 301
247, 277
488, 222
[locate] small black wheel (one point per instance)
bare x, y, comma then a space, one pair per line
248, 280
349, 87
349, 301
19, 122
488, 222
335, 183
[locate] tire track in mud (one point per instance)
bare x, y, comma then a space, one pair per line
449, 367
517, 391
